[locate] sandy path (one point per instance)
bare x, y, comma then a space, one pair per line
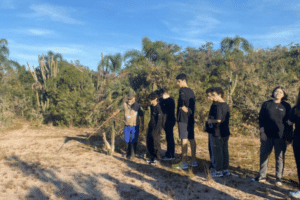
32, 169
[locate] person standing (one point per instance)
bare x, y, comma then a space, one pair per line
209, 129
185, 119
167, 105
154, 130
219, 122
133, 117
273, 118
294, 118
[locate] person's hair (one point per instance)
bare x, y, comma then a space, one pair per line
297, 109
285, 96
130, 96
181, 77
152, 96
209, 90
219, 91
164, 90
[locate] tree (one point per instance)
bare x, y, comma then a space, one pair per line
230, 45
4, 51
110, 63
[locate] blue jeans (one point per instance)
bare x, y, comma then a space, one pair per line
131, 134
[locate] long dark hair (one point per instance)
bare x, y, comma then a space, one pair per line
297, 109
285, 96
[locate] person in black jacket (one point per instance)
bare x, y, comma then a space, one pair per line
274, 129
154, 129
294, 118
167, 104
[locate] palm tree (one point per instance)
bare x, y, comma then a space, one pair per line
230, 45
110, 62
136, 57
116, 62
4, 51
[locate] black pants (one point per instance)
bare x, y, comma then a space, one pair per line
153, 143
169, 125
220, 153
296, 148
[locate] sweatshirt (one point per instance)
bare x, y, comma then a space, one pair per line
273, 117
155, 123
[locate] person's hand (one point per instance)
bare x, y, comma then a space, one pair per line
263, 137
184, 108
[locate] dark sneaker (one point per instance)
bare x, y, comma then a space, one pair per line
217, 174
226, 172
259, 179
193, 163
167, 158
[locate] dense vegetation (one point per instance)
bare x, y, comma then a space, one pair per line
69, 94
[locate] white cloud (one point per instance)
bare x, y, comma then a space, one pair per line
55, 13
39, 32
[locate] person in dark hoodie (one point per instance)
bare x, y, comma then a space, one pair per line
167, 104
134, 116
154, 129
274, 132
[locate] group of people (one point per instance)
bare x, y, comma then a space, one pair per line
276, 119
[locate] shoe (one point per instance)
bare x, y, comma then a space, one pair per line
152, 161
217, 174
181, 165
259, 179
226, 172
149, 160
167, 158
295, 194
278, 182
193, 163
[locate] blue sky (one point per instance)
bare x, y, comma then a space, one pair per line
81, 30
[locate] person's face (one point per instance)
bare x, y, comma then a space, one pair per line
278, 94
209, 96
216, 96
153, 102
180, 82
131, 101
165, 95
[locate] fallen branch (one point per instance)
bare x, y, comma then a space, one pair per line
113, 115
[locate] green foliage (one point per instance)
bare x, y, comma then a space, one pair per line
70, 94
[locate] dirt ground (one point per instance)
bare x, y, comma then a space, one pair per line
32, 168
